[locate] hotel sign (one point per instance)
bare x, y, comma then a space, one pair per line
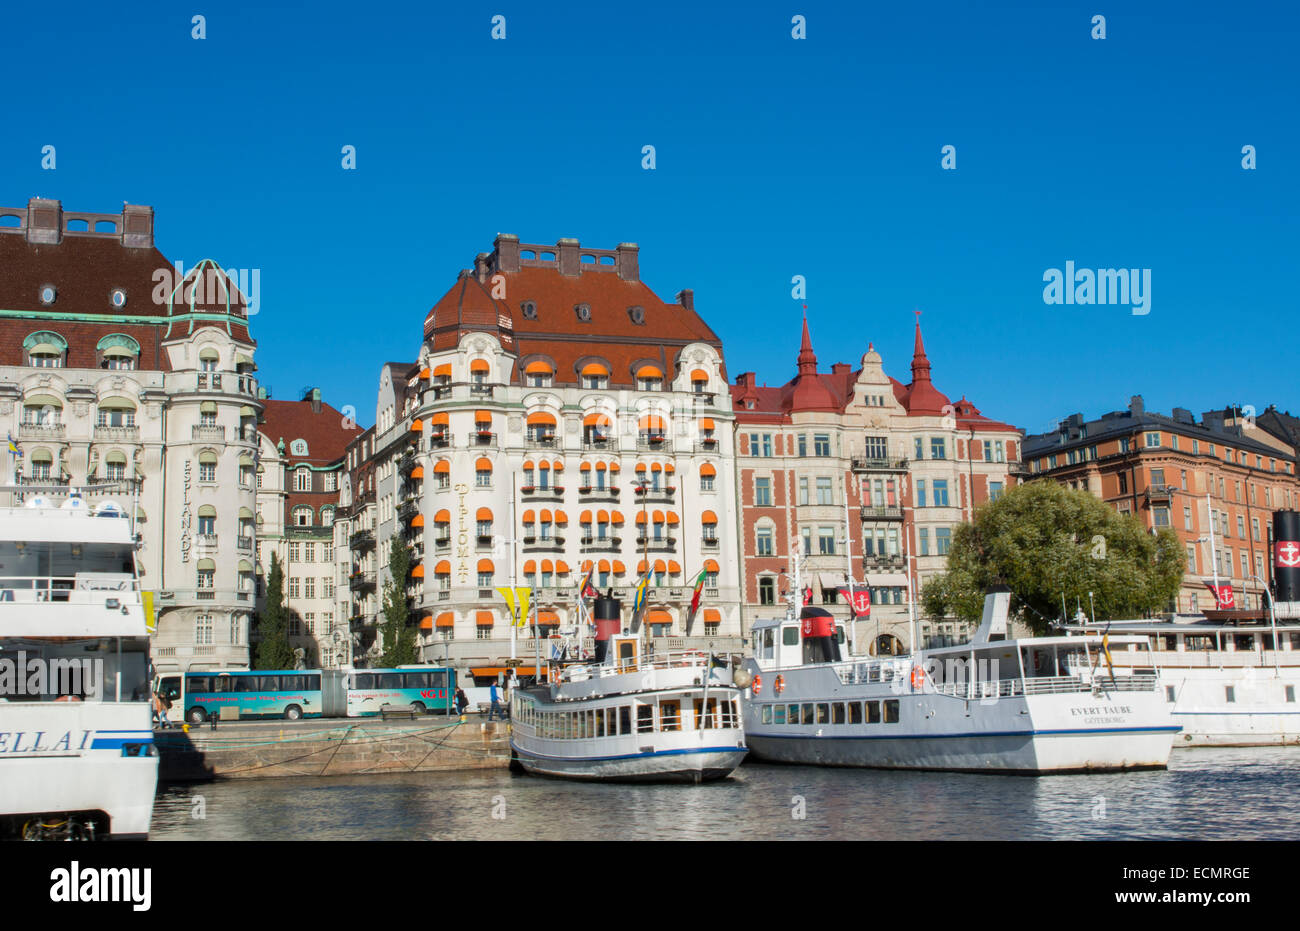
185, 512
462, 534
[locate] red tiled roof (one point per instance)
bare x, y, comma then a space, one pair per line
327, 437
82, 339
556, 332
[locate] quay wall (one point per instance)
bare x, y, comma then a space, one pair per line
329, 747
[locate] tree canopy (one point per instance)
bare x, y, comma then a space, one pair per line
1043, 539
274, 651
398, 636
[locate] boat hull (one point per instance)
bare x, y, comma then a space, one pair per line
690, 766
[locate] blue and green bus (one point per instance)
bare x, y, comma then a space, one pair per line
307, 693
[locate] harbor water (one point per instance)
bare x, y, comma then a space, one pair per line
1206, 794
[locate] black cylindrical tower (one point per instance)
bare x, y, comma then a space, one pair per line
1286, 555
607, 613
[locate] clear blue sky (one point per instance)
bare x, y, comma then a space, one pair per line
775, 157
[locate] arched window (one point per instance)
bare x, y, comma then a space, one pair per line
115, 466
118, 351
208, 359
302, 516
539, 375
115, 412
595, 375
246, 471
42, 410
42, 468
45, 349
207, 466
649, 378
207, 526
302, 479
483, 473
327, 517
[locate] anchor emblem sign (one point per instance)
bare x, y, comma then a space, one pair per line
1288, 554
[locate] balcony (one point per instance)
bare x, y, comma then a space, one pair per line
879, 465
483, 542
1018, 469
360, 581
662, 545
538, 493
654, 444
108, 485
104, 433
600, 544
541, 441
361, 621
539, 543
709, 543
205, 541
882, 512
362, 540
244, 543
208, 433
883, 563
599, 442
480, 391
665, 494
707, 444
439, 440
442, 544
1159, 494
408, 509
41, 431
592, 493
482, 439
703, 398
406, 464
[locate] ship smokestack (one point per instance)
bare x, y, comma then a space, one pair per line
1286, 556
819, 643
607, 613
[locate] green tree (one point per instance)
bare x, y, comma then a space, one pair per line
1043, 540
398, 634
274, 652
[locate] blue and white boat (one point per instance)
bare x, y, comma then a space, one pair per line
630, 715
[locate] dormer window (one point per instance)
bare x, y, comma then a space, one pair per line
529, 310
539, 375
649, 378
117, 297
48, 294
595, 376
208, 360
583, 312
45, 349
637, 315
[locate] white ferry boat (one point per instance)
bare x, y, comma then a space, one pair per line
77, 758
1031, 706
629, 716
1224, 680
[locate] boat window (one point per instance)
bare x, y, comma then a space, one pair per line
873, 712
778, 714
790, 636
624, 719
1198, 642
1171, 693
1168, 641
1230, 693
645, 719
823, 713
1245, 642
838, 715
855, 713
1290, 694
767, 714
1295, 641
600, 723
794, 714
891, 711
670, 716
808, 714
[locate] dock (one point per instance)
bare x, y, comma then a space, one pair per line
330, 747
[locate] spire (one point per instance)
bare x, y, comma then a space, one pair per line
807, 358
920, 364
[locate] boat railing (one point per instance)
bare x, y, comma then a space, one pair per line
83, 588
685, 659
1135, 683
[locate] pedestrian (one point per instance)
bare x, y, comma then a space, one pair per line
496, 701
462, 701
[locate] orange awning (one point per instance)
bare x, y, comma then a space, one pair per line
417, 472
561, 517
586, 565
548, 618
561, 567
642, 566
417, 520
615, 517
483, 514
673, 567
426, 622
712, 616
660, 566
670, 468
541, 418
482, 416
706, 423
446, 619
538, 368
615, 467
483, 464
707, 469
600, 467
602, 517
480, 365
672, 518
640, 467
603, 566
417, 425
658, 517
547, 567
699, 375
443, 567
597, 420
418, 572
440, 419
441, 467
442, 517
557, 466
484, 618
425, 374
651, 422
584, 517
544, 516
594, 368
585, 467
619, 568
530, 567
485, 565
442, 370
656, 467
708, 517
658, 617
530, 517
649, 371
710, 565
528, 464
640, 518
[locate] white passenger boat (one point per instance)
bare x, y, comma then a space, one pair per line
77, 758
1224, 682
629, 716
1035, 705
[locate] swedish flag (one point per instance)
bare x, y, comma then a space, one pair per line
641, 588
13, 447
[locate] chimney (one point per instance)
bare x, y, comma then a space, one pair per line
569, 262
685, 297
44, 221
628, 269
745, 379
315, 400
507, 249
839, 368
481, 266
137, 226
1135, 406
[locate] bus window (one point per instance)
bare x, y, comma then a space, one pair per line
390, 680
245, 683
363, 680
438, 679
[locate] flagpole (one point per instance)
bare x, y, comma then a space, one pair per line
848, 571
1214, 553
514, 560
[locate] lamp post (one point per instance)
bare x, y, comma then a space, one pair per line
1272, 613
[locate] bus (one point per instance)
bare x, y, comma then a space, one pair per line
423, 689
306, 693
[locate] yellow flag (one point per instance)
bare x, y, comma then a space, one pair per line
509, 595
150, 618
525, 596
